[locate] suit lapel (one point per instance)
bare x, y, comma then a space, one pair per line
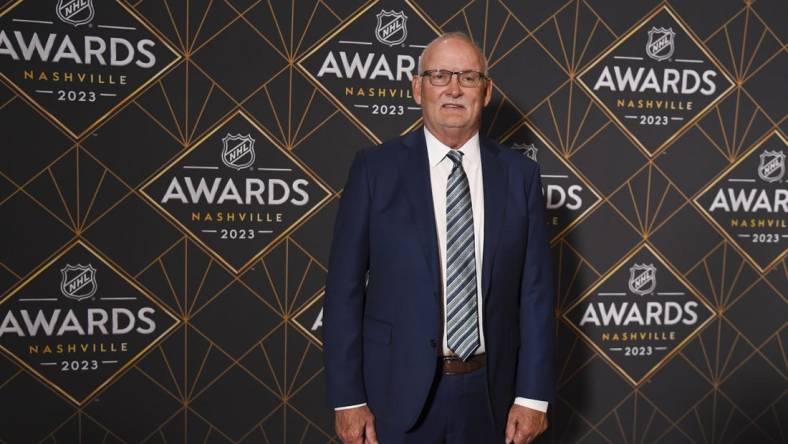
414, 169
415, 174
494, 178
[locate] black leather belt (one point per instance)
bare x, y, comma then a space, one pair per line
453, 365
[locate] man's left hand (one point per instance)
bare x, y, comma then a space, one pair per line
524, 424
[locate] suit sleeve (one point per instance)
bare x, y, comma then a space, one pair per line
345, 291
535, 368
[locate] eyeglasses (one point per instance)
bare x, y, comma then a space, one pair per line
442, 77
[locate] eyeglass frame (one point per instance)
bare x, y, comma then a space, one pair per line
428, 73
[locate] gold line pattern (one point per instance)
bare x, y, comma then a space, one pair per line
186, 102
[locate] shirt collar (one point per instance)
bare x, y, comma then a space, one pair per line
436, 151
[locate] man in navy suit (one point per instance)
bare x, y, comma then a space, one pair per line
439, 307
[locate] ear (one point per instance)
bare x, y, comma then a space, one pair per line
415, 85
488, 93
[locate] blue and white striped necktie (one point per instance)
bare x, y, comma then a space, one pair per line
462, 325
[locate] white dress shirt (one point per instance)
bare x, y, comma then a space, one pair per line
440, 168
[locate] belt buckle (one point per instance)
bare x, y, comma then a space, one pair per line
453, 365
446, 366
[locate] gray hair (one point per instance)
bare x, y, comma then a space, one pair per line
454, 35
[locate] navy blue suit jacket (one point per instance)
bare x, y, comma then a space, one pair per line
380, 338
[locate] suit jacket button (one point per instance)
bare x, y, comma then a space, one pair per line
433, 344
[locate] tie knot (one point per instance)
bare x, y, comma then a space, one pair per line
455, 156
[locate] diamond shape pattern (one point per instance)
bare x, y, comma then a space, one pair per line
244, 364
639, 314
648, 93
118, 56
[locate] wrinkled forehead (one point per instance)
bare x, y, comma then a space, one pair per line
454, 54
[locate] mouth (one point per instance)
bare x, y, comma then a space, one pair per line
453, 106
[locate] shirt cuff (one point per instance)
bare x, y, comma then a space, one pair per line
531, 403
353, 406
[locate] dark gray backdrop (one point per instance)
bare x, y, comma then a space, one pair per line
171, 171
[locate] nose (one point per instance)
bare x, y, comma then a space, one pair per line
453, 88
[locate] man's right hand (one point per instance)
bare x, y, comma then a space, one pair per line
356, 425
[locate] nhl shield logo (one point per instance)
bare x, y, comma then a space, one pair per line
642, 279
78, 282
238, 151
772, 166
75, 12
391, 29
660, 44
528, 150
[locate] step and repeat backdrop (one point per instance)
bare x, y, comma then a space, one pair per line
171, 171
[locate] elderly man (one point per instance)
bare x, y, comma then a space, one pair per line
438, 316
